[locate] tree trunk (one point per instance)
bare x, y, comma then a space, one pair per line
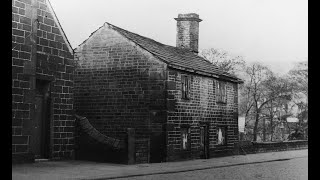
271, 126
271, 122
255, 129
264, 129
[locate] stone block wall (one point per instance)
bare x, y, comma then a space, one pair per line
118, 85
142, 150
188, 31
200, 108
43, 53
260, 147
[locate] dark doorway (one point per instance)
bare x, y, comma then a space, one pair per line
40, 139
204, 143
157, 147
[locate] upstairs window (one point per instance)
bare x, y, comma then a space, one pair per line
185, 87
221, 92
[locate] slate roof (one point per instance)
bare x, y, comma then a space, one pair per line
176, 57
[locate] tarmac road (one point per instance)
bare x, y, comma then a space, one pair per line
285, 169
270, 165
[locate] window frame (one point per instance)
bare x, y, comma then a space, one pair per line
225, 142
185, 87
188, 143
221, 92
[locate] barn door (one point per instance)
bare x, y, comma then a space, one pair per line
41, 125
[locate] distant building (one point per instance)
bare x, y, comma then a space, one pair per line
42, 84
180, 105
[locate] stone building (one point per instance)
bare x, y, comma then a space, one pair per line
42, 84
180, 105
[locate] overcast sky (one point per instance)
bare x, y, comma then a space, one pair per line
274, 32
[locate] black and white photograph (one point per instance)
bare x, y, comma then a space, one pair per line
159, 89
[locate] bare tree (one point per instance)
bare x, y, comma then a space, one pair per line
263, 87
264, 94
299, 78
224, 60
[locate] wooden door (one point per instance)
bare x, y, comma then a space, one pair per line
157, 147
204, 143
39, 141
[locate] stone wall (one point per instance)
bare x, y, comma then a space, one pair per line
40, 51
142, 150
118, 85
200, 108
254, 147
188, 31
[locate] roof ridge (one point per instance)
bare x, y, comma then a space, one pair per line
180, 49
165, 45
118, 28
89, 36
136, 34
170, 55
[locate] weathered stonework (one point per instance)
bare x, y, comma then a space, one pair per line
120, 84
188, 31
40, 52
202, 107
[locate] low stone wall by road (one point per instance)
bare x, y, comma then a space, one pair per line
247, 147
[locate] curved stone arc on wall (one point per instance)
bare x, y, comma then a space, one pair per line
87, 128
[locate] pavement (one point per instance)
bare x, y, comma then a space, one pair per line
51, 170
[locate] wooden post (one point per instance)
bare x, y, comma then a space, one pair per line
131, 145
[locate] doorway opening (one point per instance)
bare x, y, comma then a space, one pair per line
157, 147
40, 138
204, 142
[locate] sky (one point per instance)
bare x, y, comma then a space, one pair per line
272, 32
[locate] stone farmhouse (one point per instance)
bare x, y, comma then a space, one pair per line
42, 84
179, 105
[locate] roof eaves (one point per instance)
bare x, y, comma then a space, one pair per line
236, 80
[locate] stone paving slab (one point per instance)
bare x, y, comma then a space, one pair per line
52, 170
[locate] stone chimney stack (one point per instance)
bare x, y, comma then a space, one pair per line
188, 31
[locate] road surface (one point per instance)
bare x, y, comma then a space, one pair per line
296, 168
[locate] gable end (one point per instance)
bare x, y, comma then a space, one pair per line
59, 26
